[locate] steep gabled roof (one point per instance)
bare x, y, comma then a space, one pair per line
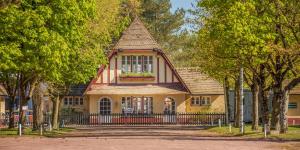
199, 83
2, 91
296, 89
137, 37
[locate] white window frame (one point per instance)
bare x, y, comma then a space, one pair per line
111, 104
207, 100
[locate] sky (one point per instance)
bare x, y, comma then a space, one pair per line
185, 4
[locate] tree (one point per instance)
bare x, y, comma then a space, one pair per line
263, 36
43, 36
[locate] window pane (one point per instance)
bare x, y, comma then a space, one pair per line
81, 101
70, 101
134, 63
76, 101
65, 101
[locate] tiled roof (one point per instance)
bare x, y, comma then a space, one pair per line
295, 90
77, 90
2, 91
137, 89
199, 83
137, 37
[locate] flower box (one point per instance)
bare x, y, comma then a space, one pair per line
137, 78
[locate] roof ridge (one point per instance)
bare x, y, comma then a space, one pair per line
136, 36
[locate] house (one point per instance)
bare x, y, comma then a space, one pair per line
293, 106
2, 99
140, 78
75, 101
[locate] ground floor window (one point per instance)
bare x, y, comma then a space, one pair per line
137, 105
73, 100
201, 100
292, 105
169, 106
105, 106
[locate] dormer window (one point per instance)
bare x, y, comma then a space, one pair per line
137, 64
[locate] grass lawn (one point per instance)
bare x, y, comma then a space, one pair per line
28, 132
293, 133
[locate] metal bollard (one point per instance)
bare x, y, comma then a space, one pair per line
41, 129
265, 130
20, 129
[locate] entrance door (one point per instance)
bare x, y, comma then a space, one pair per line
169, 110
105, 110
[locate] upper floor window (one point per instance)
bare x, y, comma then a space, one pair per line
201, 100
137, 64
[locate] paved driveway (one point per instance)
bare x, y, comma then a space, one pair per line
141, 139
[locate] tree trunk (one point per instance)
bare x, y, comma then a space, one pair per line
283, 113
55, 112
11, 113
241, 100
38, 103
254, 90
226, 95
237, 103
278, 96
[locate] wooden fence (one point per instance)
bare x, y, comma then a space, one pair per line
95, 119
200, 119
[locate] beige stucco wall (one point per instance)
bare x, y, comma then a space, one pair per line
2, 104
295, 111
217, 105
158, 102
182, 103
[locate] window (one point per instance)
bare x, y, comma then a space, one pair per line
70, 101
170, 106
196, 100
65, 101
137, 64
148, 61
201, 100
137, 105
76, 101
105, 106
81, 101
292, 105
205, 100
126, 63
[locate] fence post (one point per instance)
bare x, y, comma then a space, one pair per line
265, 130
41, 129
220, 123
20, 129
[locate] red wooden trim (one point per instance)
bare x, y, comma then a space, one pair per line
172, 77
165, 72
174, 71
100, 70
108, 73
130, 57
157, 69
136, 50
142, 104
116, 69
142, 63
